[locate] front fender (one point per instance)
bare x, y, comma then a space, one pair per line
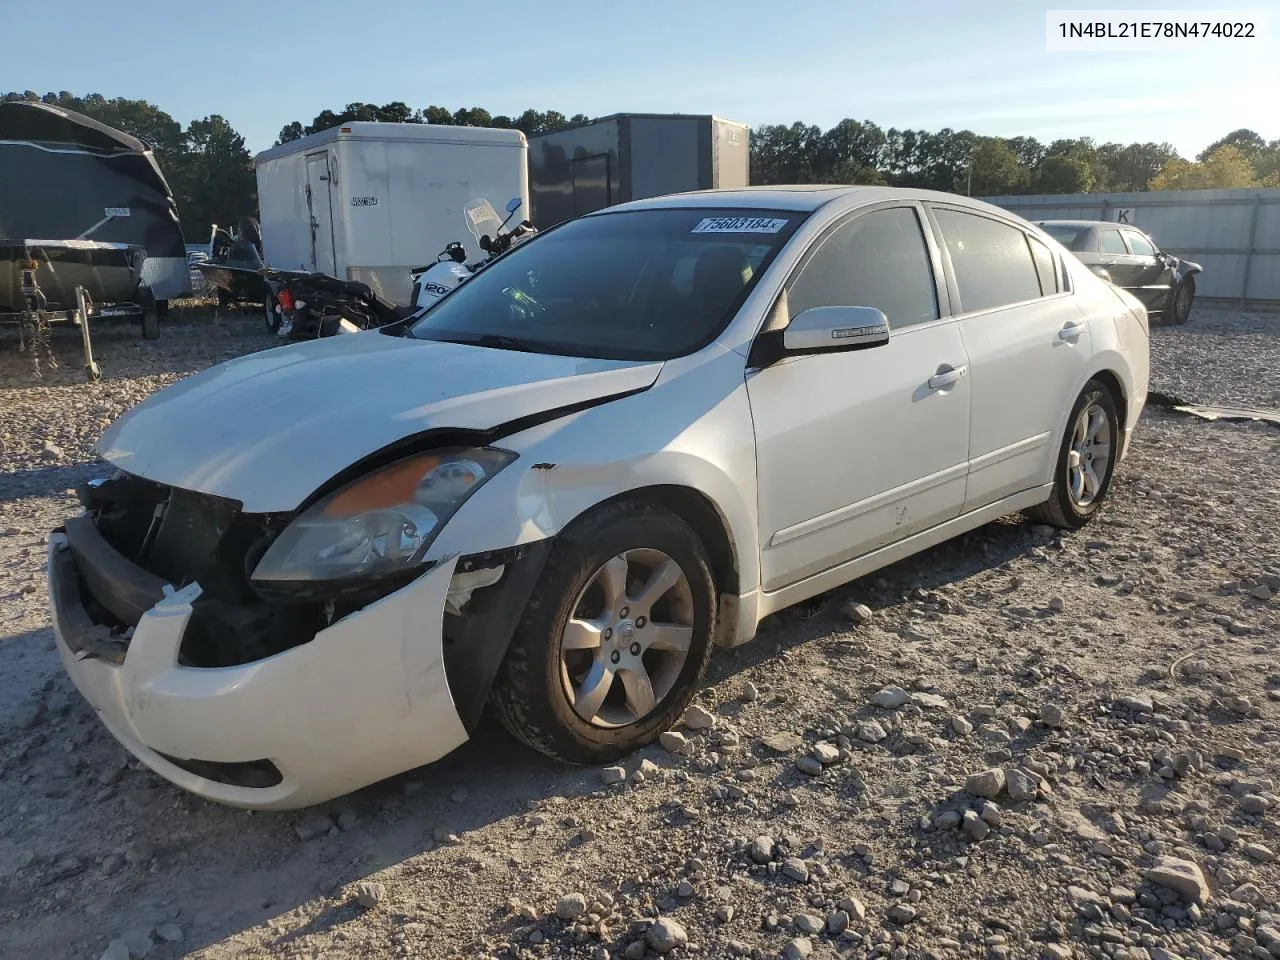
1185, 268
691, 429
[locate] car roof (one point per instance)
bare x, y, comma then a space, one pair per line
1086, 223
800, 197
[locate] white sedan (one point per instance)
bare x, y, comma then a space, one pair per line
621, 444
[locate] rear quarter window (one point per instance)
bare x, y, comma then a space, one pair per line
1046, 268
1073, 238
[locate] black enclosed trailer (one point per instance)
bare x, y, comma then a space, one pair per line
66, 177
631, 156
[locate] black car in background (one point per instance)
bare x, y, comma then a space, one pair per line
1130, 259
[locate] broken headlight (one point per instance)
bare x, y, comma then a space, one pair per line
381, 523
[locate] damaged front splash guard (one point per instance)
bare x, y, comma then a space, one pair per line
475, 643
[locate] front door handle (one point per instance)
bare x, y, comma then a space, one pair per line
945, 378
1071, 330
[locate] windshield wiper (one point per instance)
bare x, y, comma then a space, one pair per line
498, 341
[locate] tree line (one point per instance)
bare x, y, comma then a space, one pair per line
211, 171
532, 122
961, 161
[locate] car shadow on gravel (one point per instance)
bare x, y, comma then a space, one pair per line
988, 548
46, 481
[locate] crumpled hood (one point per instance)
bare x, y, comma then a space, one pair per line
267, 429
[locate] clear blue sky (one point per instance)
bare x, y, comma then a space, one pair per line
977, 64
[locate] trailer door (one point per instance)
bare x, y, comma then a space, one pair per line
320, 212
590, 184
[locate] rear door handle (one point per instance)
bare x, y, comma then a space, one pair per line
1072, 329
946, 378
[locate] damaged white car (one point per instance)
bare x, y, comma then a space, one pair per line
619, 445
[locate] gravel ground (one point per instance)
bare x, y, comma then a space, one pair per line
1018, 744
1222, 357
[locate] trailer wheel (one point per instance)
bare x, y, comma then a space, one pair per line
270, 316
151, 324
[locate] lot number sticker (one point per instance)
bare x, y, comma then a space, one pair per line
739, 225
364, 201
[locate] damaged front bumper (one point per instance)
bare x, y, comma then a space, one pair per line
367, 698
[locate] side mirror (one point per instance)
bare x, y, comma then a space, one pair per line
513, 204
1101, 272
457, 252
485, 243
823, 329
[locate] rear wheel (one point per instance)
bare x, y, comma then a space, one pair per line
1086, 461
1178, 310
614, 639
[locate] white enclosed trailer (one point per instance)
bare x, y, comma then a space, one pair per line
369, 201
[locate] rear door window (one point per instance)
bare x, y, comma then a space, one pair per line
1112, 242
991, 260
1139, 244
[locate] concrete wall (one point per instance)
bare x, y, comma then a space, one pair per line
1233, 234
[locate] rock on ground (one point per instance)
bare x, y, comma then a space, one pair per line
987, 783
666, 935
370, 893
1181, 876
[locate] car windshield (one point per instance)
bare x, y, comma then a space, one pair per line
1071, 237
636, 285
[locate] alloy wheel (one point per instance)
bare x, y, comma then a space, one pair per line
1090, 455
628, 638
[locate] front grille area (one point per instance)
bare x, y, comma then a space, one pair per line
185, 537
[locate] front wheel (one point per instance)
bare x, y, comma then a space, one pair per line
614, 639
1086, 461
1179, 309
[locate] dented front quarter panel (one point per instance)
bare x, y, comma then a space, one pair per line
692, 428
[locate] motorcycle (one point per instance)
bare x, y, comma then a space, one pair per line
311, 305
450, 269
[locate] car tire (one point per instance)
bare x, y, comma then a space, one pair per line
1076, 498
1178, 310
536, 695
